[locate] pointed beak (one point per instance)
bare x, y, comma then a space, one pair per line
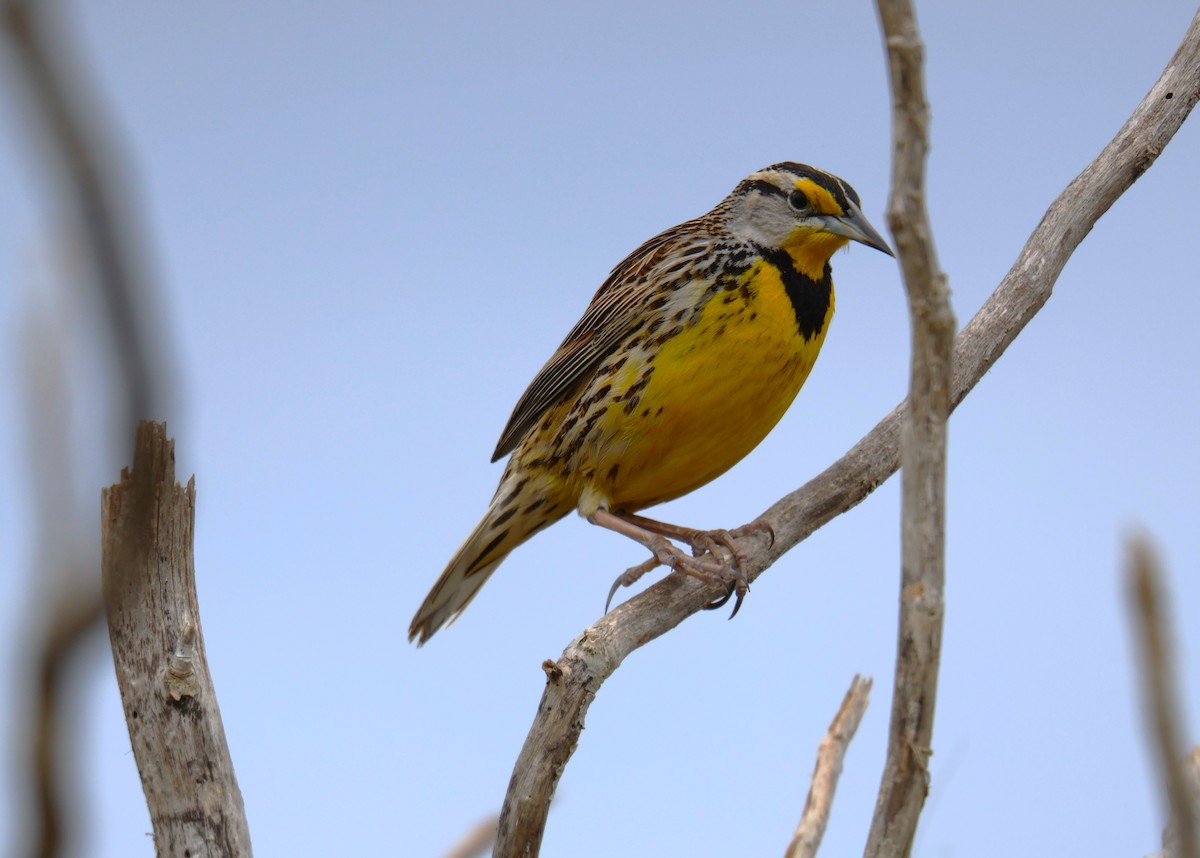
855, 226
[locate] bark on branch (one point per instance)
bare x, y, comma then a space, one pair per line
905, 780
574, 680
147, 522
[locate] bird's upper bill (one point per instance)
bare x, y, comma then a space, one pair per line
855, 226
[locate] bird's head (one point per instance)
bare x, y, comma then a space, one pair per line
802, 210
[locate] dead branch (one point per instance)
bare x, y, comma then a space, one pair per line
158, 649
590, 659
905, 781
832, 750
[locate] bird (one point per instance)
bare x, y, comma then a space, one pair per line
687, 356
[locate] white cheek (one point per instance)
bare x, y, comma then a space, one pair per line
763, 221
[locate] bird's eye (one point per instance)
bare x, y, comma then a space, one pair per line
798, 201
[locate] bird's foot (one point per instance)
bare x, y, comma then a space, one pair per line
706, 541
716, 558
714, 570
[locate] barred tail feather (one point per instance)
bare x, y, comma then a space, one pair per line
515, 514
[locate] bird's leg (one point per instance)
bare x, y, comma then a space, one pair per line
706, 540
651, 534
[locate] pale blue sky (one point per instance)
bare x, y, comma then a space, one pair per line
374, 222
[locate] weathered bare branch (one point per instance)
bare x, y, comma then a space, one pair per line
832, 750
905, 779
1154, 641
158, 650
590, 659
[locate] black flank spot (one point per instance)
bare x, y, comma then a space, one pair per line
537, 504
657, 303
612, 472
638, 386
679, 316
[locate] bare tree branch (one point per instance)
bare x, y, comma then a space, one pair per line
1154, 640
832, 750
158, 648
905, 780
575, 679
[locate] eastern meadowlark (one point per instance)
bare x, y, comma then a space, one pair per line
688, 355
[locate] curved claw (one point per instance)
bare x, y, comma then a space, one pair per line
612, 591
628, 578
718, 603
741, 588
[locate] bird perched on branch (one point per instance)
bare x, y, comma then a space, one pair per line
688, 355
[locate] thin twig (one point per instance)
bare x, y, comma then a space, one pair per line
88, 175
1160, 693
73, 144
905, 780
590, 659
830, 754
477, 840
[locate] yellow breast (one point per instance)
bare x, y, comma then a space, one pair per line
713, 391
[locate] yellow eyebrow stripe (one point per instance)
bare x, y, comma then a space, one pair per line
822, 201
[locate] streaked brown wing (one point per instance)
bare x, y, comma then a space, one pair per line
617, 310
